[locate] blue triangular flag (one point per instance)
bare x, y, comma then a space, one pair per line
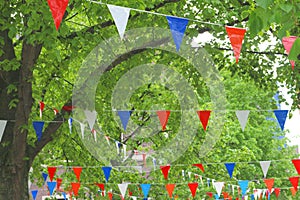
281, 117
230, 168
45, 176
106, 171
244, 186
70, 122
208, 182
177, 26
145, 189
64, 195
51, 186
124, 116
34, 193
38, 127
217, 196
252, 197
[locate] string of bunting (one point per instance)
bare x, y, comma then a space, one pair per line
242, 186
177, 25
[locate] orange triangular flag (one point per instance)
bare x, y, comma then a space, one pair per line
236, 37
51, 172
170, 189
77, 172
200, 166
165, 170
277, 192
204, 117
75, 188
269, 183
296, 163
110, 195
225, 195
293, 191
163, 116
193, 188
294, 180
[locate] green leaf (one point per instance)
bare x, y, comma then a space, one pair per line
256, 24
264, 3
295, 50
286, 7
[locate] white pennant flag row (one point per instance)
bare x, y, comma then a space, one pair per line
2, 128
123, 188
242, 116
265, 167
120, 16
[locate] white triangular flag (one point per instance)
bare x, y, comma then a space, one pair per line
219, 187
2, 128
259, 191
265, 167
90, 117
134, 198
123, 188
242, 116
120, 16
124, 150
189, 174
82, 127
118, 148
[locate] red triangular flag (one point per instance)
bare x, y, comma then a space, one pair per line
204, 117
170, 189
101, 186
225, 195
294, 180
42, 106
293, 191
55, 111
58, 9
77, 172
236, 37
75, 188
296, 163
269, 183
51, 172
110, 195
193, 188
210, 194
277, 192
165, 170
287, 44
58, 183
200, 166
163, 116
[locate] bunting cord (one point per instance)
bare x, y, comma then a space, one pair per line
159, 14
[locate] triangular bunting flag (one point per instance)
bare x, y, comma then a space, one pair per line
134, 198
244, 186
294, 181
75, 188
58, 9
165, 170
242, 116
230, 168
296, 163
55, 111
265, 167
177, 27
210, 194
170, 189
200, 166
287, 44
236, 37
110, 195
82, 127
70, 122
281, 117
217, 196
2, 128
193, 188
106, 171
58, 183
120, 16
277, 192
34, 194
204, 117
91, 118
101, 186
51, 186
51, 172
269, 183
64, 195
225, 195
45, 176
145, 189
42, 106
293, 191
38, 127
124, 116
219, 187
77, 172
123, 188
163, 116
